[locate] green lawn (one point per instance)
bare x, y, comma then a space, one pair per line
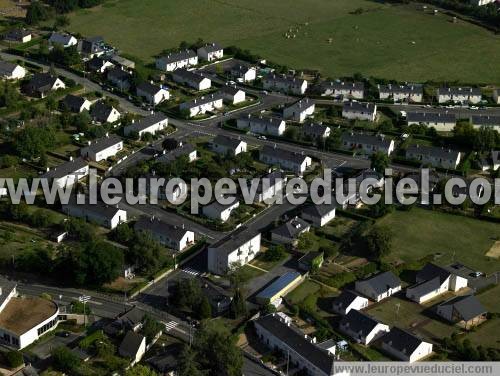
392, 41
421, 232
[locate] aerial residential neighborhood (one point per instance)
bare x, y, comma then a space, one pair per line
249, 188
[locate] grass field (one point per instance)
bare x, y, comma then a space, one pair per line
392, 41
421, 232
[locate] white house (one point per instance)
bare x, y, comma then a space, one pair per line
218, 211
316, 131
269, 186
369, 144
464, 310
11, 71
405, 346
67, 173
192, 79
228, 146
102, 148
286, 84
63, 40
287, 160
441, 121
187, 150
401, 93
152, 93
379, 287
319, 215
99, 64
232, 95
210, 52
432, 281
244, 73
337, 89
488, 121
120, 78
200, 106
18, 35
263, 125
277, 332
290, 231
434, 156
348, 300
361, 327
152, 124
459, 94
75, 103
100, 213
238, 248
300, 110
174, 237
103, 113
133, 346
42, 83
359, 111
177, 60
496, 96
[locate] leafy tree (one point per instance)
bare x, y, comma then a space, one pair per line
61, 22
31, 142
485, 139
306, 241
380, 209
79, 229
268, 308
379, 240
123, 233
9, 96
464, 134
188, 364
204, 310
64, 360
379, 162
140, 370
292, 133
187, 294
103, 263
14, 359
151, 328
238, 305
274, 253
145, 252
36, 13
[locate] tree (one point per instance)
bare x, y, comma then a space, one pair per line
145, 252
188, 363
379, 239
103, 263
274, 253
64, 360
123, 233
31, 142
204, 310
485, 139
379, 162
464, 134
61, 22
140, 370
238, 305
36, 13
14, 359
306, 241
151, 328
267, 309
170, 144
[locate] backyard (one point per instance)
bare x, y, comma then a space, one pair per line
340, 37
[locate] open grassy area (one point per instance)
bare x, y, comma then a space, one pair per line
392, 41
421, 232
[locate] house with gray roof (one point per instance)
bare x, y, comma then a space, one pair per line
466, 311
362, 328
62, 39
236, 249
401, 93
177, 60
316, 131
103, 148
459, 94
133, 346
276, 331
243, 72
218, 298
67, 173
442, 121
284, 83
263, 125
74, 103
290, 231
300, 110
359, 111
152, 93
405, 346
367, 143
348, 300
99, 213
489, 121
93, 47
270, 185
43, 83
99, 64
220, 212
151, 124
120, 78
434, 156
187, 150
380, 286
11, 71
228, 145
123, 62
232, 94
18, 35
202, 105
210, 52
319, 215
285, 159
174, 237
191, 79
342, 89
102, 113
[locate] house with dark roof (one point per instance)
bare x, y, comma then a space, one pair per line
120, 78
262, 125
277, 332
219, 299
432, 281
285, 159
187, 150
270, 185
367, 143
124, 63
104, 113
434, 156
200, 106
289, 232
284, 83
102, 148
67, 173
341, 89
316, 131
133, 346
491, 161
401, 93
237, 248
489, 121
228, 145
243, 73
319, 215
405, 346
380, 286
466, 311
62, 39
459, 94
311, 261
232, 95
348, 300
99, 213
131, 320
99, 64
191, 79
11, 71
210, 52
18, 35
42, 83
174, 237
220, 212
359, 111
152, 93
442, 121
74, 103
167, 362
177, 60
300, 110
151, 124
361, 327
93, 47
